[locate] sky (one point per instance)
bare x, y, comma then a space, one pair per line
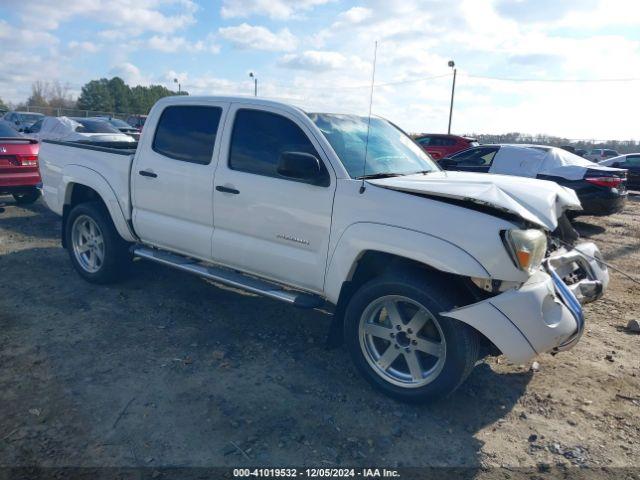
569, 68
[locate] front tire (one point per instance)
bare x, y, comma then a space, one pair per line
96, 250
400, 343
27, 197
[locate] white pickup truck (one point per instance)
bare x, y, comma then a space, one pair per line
425, 271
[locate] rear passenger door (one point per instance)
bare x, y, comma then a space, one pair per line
172, 178
265, 223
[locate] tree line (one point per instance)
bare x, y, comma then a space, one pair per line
621, 146
103, 95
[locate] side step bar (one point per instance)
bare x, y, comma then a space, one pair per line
229, 277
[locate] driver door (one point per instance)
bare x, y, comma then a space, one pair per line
265, 223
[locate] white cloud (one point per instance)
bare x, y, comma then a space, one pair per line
136, 16
15, 37
168, 44
278, 9
88, 47
130, 74
313, 60
259, 38
355, 15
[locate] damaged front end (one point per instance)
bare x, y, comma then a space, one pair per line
544, 314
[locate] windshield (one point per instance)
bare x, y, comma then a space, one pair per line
94, 126
116, 122
29, 117
389, 151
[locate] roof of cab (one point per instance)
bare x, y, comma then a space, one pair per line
189, 99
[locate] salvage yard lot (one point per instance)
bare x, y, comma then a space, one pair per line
167, 369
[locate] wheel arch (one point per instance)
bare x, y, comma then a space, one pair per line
84, 185
391, 248
364, 242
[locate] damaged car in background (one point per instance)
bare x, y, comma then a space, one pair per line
425, 271
601, 190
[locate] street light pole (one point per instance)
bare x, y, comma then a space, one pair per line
255, 84
452, 64
175, 80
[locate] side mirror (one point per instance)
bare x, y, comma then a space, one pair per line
303, 167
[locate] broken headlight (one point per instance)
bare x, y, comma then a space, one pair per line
527, 248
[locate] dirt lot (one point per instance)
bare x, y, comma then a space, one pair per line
166, 369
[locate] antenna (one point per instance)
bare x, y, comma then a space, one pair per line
366, 143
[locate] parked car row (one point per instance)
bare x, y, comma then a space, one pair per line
31, 122
77, 129
20, 136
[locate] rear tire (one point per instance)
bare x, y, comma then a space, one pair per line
27, 197
400, 343
96, 249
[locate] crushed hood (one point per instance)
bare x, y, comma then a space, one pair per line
537, 201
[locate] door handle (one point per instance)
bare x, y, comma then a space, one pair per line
148, 173
220, 188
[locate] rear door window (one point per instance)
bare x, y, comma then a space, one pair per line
187, 133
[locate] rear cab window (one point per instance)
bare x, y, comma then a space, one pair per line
187, 133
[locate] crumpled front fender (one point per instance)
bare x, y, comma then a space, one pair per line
522, 322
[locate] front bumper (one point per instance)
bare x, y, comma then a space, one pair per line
544, 314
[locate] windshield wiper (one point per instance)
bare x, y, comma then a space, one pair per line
424, 172
378, 175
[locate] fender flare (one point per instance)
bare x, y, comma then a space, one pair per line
422, 247
81, 175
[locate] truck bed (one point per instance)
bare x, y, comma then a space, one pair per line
111, 160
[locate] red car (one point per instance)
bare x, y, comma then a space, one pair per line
441, 145
19, 175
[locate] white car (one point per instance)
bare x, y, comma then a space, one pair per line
600, 189
599, 154
425, 271
21, 121
77, 129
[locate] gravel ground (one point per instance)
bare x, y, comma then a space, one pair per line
168, 369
